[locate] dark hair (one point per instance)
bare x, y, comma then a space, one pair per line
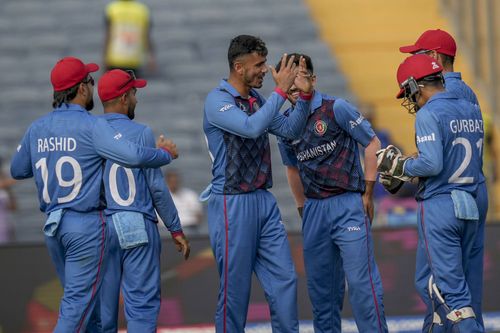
447, 60
65, 96
297, 56
245, 44
435, 80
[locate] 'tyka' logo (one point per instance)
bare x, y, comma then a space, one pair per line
320, 127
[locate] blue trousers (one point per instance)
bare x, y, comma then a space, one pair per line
474, 271
444, 250
247, 235
137, 271
337, 232
78, 253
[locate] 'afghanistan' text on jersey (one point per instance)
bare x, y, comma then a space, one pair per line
327, 153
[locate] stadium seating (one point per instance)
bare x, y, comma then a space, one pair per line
191, 39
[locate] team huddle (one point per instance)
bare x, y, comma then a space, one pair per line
99, 183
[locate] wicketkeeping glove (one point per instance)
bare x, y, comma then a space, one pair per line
390, 161
391, 184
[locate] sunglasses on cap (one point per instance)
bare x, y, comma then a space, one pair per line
422, 52
132, 78
89, 79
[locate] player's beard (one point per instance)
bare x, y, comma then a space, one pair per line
254, 81
90, 105
131, 112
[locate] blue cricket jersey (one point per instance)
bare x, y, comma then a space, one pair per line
455, 84
138, 190
327, 153
65, 152
449, 135
236, 130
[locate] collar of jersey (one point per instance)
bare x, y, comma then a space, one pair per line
317, 101
70, 107
442, 95
226, 86
112, 116
452, 75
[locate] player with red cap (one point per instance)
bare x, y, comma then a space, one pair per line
64, 151
441, 46
132, 196
449, 136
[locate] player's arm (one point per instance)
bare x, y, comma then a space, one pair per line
429, 161
371, 160
370, 175
295, 183
221, 112
351, 121
111, 145
292, 172
292, 127
20, 166
162, 200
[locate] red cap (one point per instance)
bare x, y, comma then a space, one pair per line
417, 66
438, 40
70, 71
117, 82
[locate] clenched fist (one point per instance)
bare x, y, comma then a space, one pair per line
168, 145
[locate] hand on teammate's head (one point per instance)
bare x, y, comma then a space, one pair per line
304, 79
285, 77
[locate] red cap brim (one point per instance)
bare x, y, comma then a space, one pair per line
409, 49
400, 93
92, 67
140, 83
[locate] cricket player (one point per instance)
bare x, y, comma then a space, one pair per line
132, 196
441, 46
324, 172
449, 137
64, 151
246, 231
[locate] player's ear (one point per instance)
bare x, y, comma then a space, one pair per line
238, 67
124, 98
82, 88
433, 54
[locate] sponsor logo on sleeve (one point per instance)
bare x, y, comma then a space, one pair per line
356, 122
426, 138
226, 107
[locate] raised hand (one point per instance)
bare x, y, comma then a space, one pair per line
168, 145
303, 80
286, 76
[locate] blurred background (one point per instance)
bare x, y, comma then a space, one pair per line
354, 47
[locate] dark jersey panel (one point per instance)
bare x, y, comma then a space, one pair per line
248, 161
